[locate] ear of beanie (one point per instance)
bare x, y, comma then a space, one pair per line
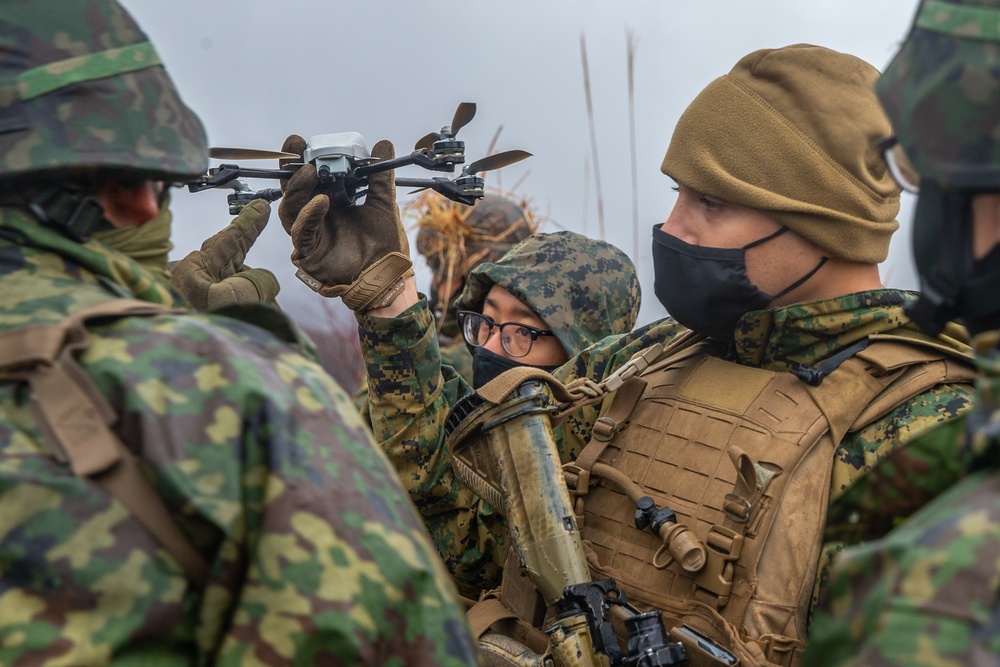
794, 132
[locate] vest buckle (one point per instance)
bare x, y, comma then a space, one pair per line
605, 428
723, 546
577, 479
639, 362
736, 508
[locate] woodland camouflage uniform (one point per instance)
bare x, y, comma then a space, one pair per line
928, 593
314, 554
582, 289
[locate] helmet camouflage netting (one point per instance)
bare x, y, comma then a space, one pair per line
455, 238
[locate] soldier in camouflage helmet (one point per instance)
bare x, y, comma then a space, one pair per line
454, 238
928, 593
177, 488
786, 370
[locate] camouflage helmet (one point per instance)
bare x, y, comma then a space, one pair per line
942, 93
81, 87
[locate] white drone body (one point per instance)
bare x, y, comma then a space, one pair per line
336, 153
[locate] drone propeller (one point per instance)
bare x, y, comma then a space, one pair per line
468, 181
426, 141
465, 112
221, 153
496, 161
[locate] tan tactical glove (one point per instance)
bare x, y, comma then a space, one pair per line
359, 253
215, 275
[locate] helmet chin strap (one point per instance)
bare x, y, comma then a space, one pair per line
73, 213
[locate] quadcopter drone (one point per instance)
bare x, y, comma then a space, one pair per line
343, 164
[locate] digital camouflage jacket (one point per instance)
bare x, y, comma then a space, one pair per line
315, 555
456, 354
414, 400
928, 593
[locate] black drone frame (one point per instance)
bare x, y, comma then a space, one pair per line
345, 189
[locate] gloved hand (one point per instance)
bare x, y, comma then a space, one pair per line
215, 275
359, 253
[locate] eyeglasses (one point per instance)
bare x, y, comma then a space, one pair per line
899, 164
516, 338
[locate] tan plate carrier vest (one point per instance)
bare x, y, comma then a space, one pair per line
744, 457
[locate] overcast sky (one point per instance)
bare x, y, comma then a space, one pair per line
258, 70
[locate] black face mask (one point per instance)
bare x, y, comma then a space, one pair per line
952, 284
487, 365
707, 289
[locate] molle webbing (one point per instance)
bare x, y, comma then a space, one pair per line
75, 418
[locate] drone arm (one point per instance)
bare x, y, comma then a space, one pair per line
226, 173
217, 177
417, 182
443, 186
266, 173
378, 167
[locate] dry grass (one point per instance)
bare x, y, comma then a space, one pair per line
453, 244
631, 44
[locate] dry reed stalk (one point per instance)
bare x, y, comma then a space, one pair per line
593, 137
490, 149
518, 182
631, 43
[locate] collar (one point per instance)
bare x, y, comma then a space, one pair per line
809, 332
91, 262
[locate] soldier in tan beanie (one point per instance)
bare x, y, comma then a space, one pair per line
786, 371
785, 145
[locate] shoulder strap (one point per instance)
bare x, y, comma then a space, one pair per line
75, 418
925, 363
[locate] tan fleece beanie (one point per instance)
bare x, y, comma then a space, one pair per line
793, 132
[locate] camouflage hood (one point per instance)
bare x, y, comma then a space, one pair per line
582, 288
942, 92
81, 87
